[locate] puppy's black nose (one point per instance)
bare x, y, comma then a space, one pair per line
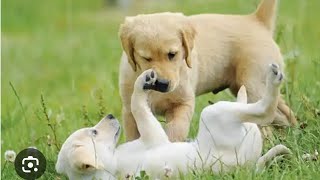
162, 85
110, 116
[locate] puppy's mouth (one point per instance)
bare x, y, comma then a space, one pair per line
118, 132
160, 85
117, 135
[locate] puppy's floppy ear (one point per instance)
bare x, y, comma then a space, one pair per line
83, 160
188, 34
126, 41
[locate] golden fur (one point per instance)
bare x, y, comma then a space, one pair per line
211, 52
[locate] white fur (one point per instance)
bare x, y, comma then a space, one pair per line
228, 136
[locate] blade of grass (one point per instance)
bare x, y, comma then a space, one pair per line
19, 100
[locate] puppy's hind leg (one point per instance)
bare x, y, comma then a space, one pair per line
263, 111
271, 154
274, 79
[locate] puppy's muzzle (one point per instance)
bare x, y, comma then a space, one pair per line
161, 85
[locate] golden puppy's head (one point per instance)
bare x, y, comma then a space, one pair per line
161, 41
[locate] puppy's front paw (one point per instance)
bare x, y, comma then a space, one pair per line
150, 78
146, 80
275, 76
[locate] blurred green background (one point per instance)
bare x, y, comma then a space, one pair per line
68, 52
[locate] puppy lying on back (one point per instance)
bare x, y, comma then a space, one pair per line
228, 136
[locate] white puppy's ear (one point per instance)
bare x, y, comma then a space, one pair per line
60, 165
84, 160
188, 34
242, 95
126, 40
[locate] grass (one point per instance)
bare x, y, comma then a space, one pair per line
60, 64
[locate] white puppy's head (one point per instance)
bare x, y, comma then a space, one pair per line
88, 153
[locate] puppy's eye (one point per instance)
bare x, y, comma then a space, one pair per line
171, 55
147, 59
94, 132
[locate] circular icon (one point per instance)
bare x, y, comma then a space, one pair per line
30, 163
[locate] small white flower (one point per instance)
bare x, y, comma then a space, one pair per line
10, 155
49, 113
306, 157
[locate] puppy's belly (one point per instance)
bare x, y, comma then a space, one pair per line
130, 158
246, 147
251, 147
177, 157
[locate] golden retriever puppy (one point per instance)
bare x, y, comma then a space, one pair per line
197, 54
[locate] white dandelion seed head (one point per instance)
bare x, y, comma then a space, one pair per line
10, 155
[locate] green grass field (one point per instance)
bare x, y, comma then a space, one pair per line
68, 52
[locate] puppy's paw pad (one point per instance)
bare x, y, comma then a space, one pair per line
128, 176
146, 80
274, 68
275, 75
150, 77
168, 171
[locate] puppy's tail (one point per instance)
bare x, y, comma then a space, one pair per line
266, 13
271, 154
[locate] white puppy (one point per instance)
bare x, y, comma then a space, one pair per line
228, 136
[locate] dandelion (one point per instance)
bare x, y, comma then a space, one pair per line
10, 155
